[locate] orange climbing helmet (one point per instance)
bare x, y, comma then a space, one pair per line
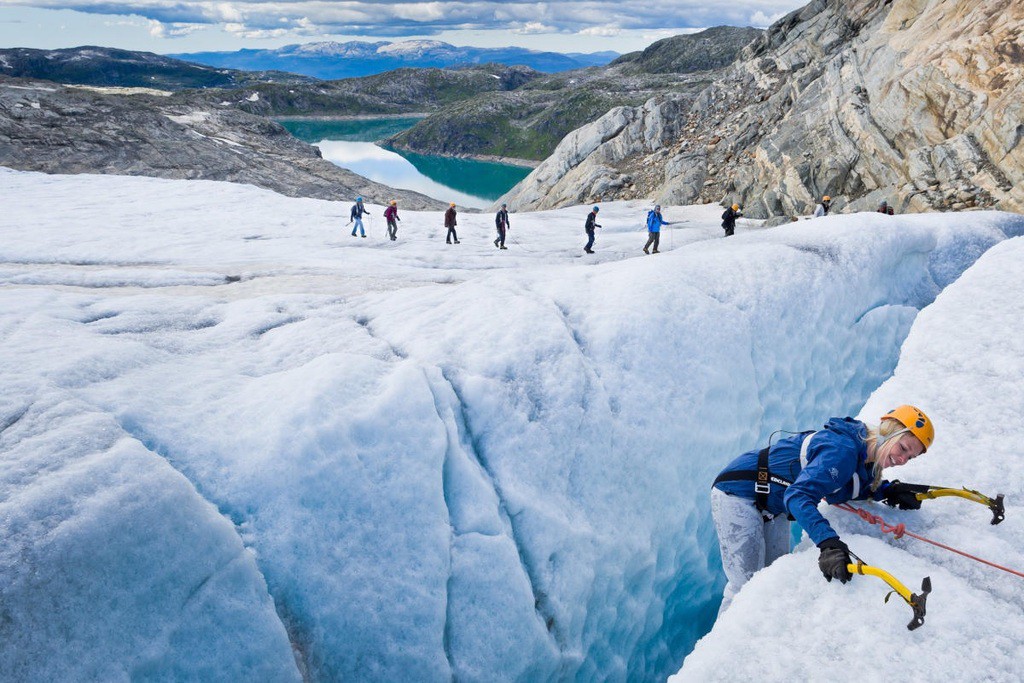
916, 421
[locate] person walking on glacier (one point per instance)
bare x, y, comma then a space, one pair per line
755, 496
654, 223
824, 207
356, 216
588, 228
501, 225
450, 223
729, 219
391, 216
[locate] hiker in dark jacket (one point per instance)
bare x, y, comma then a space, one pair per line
449, 222
501, 225
589, 226
356, 216
391, 215
729, 219
842, 462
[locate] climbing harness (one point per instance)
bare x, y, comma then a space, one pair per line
899, 531
916, 601
763, 477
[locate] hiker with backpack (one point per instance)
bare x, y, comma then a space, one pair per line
755, 496
823, 208
654, 223
501, 225
729, 219
391, 216
356, 216
450, 223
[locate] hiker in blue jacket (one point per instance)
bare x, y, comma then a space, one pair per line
756, 495
654, 223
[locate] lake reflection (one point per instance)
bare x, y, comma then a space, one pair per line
464, 181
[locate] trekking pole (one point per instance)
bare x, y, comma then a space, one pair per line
917, 601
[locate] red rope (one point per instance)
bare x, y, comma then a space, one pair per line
899, 530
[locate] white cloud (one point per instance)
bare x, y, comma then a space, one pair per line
601, 31
534, 28
159, 29
762, 20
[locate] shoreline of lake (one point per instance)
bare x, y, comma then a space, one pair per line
359, 145
511, 161
353, 117
508, 161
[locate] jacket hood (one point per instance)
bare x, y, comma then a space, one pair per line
847, 426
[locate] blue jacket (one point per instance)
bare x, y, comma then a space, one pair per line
655, 221
836, 471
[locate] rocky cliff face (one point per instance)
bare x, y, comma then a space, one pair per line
65, 129
918, 102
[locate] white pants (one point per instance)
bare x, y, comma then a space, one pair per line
748, 542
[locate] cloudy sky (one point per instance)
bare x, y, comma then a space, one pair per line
167, 26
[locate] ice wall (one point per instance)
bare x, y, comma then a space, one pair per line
433, 469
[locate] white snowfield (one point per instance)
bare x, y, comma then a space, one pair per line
237, 443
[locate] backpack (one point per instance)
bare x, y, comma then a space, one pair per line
650, 219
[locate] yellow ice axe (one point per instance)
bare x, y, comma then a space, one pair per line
915, 600
995, 505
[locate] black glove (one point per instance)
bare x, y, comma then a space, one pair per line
833, 559
904, 496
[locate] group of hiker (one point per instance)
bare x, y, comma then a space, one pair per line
501, 222
359, 210
822, 209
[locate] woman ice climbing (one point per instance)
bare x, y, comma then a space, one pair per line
754, 497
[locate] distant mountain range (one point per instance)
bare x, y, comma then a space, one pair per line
331, 60
107, 66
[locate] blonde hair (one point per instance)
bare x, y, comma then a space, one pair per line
887, 429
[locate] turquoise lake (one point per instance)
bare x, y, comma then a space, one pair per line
349, 143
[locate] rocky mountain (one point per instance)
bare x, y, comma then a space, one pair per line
918, 102
709, 49
104, 66
267, 93
332, 60
54, 128
529, 121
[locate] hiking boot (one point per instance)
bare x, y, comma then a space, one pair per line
589, 251
495, 244
457, 242
655, 252
362, 235
503, 247
645, 251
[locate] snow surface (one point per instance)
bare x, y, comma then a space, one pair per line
238, 444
